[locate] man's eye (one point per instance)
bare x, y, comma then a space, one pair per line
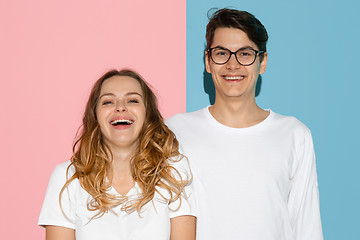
246, 54
221, 53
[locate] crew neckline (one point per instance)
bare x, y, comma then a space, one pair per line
253, 128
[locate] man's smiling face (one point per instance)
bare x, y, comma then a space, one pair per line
231, 79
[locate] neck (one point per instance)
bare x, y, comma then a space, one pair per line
121, 178
121, 158
237, 113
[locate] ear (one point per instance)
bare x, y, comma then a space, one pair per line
263, 63
207, 62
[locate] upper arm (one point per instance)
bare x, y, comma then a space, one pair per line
52, 214
183, 228
303, 200
185, 205
59, 233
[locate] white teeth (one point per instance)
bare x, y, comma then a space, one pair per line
233, 77
122, 120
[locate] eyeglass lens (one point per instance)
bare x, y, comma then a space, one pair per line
244, 56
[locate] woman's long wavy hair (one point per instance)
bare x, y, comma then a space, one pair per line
150, 166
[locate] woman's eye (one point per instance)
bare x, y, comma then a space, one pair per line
133, 101
106, 102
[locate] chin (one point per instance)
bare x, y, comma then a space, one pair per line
234, 93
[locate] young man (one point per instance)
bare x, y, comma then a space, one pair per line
254, 170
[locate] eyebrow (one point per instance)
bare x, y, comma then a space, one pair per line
127, 94
242, 48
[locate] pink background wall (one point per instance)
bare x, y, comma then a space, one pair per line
51, 52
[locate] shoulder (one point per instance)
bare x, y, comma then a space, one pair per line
290, 123
59, 212
58, 176
294, 130
183, 118
181, 164
62, 168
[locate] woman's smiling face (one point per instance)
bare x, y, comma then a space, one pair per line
121, 112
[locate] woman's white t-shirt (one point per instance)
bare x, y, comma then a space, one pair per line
152, 223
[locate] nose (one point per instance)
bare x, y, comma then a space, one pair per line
121, 107
232, 63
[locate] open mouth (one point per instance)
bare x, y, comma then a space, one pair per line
123, 122
233, 78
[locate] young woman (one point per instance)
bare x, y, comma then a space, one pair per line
126, 179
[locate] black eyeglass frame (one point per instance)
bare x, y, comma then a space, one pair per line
231, 53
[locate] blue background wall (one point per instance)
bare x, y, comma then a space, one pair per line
312, 74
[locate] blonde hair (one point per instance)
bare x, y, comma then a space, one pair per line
150, 166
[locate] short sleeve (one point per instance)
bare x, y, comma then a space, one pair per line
51, 213
187, 201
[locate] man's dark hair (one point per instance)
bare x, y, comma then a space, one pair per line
232, 18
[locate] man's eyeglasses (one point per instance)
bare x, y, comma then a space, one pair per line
244, 56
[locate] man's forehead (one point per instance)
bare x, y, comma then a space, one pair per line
231, 38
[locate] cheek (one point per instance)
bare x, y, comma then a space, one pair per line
142, 114
100, 115
216, 71
254, 69
141, 117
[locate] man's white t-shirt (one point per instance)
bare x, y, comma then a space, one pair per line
255, 183
153, 222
